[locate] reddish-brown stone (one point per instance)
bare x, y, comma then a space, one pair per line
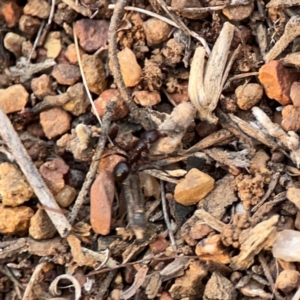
121, 109
290, 118
276, 81
92, 34
295, 94
11, 13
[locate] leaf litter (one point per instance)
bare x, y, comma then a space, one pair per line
228, 232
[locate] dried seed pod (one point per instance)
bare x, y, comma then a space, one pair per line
206, 83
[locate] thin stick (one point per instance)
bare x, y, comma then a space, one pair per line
166, 216
197, 9
83, 76
139, 115
36, 41
105, 285
6, 271
12, 140
152, 14
33, 279
84, 81
177, 20
95, 163
271, 187
266, 270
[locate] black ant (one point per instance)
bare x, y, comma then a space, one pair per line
123, 168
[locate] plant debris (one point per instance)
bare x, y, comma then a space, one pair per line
149, 149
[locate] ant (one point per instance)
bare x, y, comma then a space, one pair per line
123, 168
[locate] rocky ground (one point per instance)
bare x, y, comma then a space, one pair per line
150, 149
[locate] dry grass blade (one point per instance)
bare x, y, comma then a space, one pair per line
206, 83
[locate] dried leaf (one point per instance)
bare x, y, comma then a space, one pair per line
205, 86
53, 287
253, 241
138, 281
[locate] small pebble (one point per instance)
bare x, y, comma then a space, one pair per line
15, 220
121, 109
290, 118
293, 196
53, 173
79, 101
11, 12
249, 95
37, 8
36, 130
212, 248
287, 281
159, 245
146, 98
41, 227
29, 25
14, 187
53, 44
66, 74
13, 43
295, 94
66, 196
276, 81
92, 34
285, 241
55, 122
130, 69
194, 187
71, 55
13, 99
156, 31
238, 12
42, 86
94, 72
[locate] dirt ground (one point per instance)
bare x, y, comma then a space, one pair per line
149, 149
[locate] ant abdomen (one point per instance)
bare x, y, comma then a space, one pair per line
121, 171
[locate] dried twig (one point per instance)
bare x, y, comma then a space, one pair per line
271, 187
138, 115
83, 76
166, 216
102, 292
266, 269
12, 140
289, 140
5, 271
197, 9
94, 165
36, 41
33, 279
292, 30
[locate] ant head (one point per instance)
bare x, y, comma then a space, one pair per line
121, 171
152, 136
